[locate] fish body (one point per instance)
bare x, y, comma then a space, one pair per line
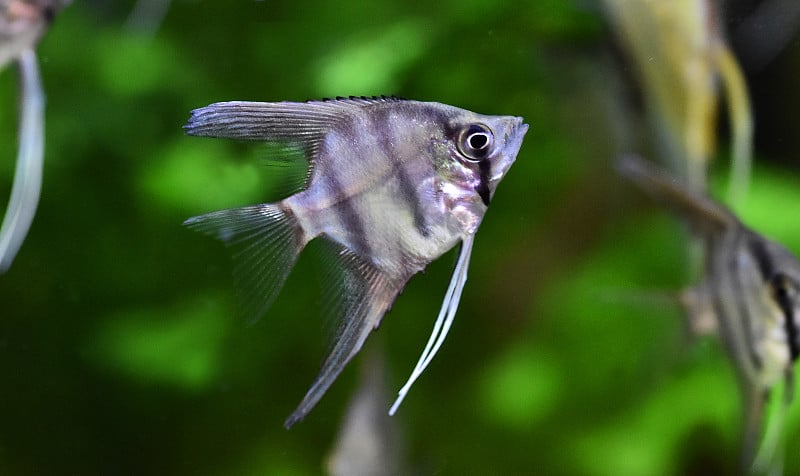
751, 286
392, 185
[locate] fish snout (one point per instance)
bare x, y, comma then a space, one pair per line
515, 135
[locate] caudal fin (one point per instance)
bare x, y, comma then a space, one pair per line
266, 241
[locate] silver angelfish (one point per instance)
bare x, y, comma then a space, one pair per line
392, 185
750, 293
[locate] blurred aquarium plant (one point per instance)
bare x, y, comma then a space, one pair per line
22, 24
368, 443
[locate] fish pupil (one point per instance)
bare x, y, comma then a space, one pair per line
478, 141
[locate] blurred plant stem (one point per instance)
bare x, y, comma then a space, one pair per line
367, 443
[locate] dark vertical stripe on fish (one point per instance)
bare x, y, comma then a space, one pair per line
791, 335
784, 301
384, 128
765, 266
485, 168
762, 258
785, 304
349, 218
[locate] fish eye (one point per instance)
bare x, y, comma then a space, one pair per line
475, 142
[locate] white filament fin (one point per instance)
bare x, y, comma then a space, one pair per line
443, 321
28, 175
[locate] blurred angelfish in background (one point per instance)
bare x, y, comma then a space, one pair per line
22, 24
392, 185
680, 54
749, 295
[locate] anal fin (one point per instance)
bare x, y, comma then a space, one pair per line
366, 294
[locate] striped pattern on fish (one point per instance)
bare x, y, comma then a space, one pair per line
392, 185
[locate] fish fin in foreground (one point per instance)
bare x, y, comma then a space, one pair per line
443, 321
266, 241
367, 293
701, 212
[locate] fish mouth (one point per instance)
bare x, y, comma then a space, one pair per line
516, 132
515, 135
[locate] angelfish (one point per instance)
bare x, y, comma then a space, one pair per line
750, 291
392, 185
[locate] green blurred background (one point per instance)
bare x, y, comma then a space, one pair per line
120, 349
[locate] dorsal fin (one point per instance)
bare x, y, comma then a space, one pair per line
700, 211
359, 100
300, 124
365, 294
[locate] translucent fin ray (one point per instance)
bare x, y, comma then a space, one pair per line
443, 322
298, 124
295, 122
281, 121
367, 293
266, 240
